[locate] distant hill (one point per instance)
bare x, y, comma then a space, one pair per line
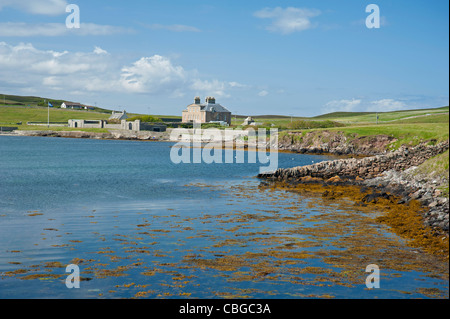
337, 115
17, 100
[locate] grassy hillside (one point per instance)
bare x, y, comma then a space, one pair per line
14, 114
410, 134
439, 115
383, 117
36, 101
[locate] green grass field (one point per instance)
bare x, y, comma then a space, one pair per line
36, 101
383, 117
11, 115
15, 114
439, 115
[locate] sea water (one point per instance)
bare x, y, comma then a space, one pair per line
139, 226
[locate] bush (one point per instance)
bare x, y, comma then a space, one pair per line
211, 125
145, 118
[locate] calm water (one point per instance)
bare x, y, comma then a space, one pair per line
140, 226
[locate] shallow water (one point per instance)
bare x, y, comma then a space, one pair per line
140, 226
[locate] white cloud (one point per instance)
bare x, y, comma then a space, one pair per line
237, 85
43, 7
152, 74
357, 105
21, 29
342, 106
31, 67
23, 67
173, 27
98, 29
98, 50
288, 20
263, 93
386, 105
214, 87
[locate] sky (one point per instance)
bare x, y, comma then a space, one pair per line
294, 58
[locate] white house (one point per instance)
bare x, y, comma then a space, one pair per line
73, 106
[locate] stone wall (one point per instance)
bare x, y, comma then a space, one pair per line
7, 129
368, 167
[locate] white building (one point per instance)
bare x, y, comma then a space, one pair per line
73, 106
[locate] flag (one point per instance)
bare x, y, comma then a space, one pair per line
50, 104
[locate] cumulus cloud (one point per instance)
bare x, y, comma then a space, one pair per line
46, 68
237, 85
358, 105
98, 50
27, 67
42, 7
210, 87
288, 20
386, 105
151, 74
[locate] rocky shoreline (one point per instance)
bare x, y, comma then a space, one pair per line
111, 135
386, 175
410, 187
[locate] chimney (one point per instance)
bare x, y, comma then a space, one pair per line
197, 100
210, 100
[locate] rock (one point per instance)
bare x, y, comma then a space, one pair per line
334, 179
433, 204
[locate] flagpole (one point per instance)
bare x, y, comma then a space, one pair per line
48, 115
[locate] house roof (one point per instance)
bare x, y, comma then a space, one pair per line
118, 115
210, 107
72, 104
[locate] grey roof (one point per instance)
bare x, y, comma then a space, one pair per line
118, 116
210, 107
72, 104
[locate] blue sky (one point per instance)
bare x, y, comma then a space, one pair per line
301, 58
